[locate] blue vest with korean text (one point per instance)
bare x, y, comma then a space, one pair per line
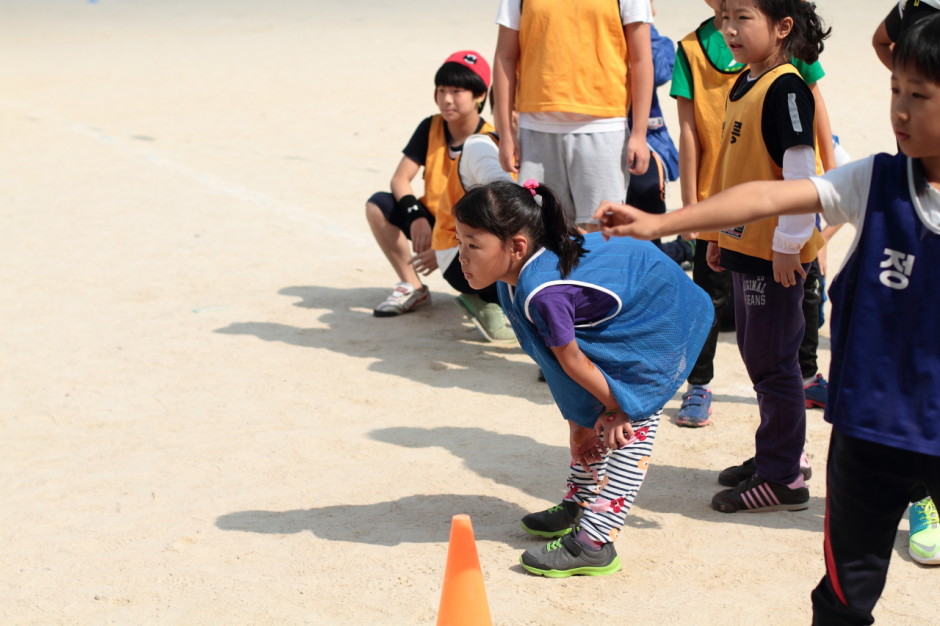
885, 370
645, 345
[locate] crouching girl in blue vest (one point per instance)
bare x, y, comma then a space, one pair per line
615, 327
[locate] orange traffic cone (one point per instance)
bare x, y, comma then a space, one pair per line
463, 597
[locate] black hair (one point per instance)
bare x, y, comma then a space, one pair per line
506, 209
453, 74
918, 48
805, 41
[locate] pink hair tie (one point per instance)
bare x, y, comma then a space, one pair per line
531, 185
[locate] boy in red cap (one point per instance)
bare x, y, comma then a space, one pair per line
404, 225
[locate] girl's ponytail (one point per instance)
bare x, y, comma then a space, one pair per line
806, 40
559, 234
506, 209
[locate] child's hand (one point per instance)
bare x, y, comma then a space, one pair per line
614, 429
638, 154
713, 257
586, 447
786, 266
509, 154
622, 220
420, 235
424, 262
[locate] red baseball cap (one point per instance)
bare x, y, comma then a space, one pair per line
474, 61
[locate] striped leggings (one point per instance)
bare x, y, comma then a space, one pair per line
620, 474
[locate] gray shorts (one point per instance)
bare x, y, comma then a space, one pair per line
582, 169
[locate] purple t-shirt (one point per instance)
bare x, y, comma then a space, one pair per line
557, 309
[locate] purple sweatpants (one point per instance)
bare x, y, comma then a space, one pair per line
769, 322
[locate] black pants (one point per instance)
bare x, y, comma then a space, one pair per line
869, 487
769, 327
812, 296
718, 286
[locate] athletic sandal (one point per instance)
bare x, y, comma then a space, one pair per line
554, 521
486, 316
734, 475
757, 495
696, 407
569, 557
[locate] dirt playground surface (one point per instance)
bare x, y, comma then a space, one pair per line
200, 420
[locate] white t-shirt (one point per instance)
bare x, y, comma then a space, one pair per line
479, 165
843, 193
631, 11
509, 12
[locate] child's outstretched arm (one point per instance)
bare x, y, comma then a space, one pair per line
738, 205
612, 424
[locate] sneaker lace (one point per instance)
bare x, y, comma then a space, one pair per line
554, 509
927, 512
553, 545
398, 296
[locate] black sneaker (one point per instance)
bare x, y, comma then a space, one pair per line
734, 475
554, 521
568, 557
757, 495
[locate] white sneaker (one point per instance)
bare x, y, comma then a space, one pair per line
403, 299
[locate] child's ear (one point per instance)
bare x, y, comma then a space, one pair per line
519, 247
784, 27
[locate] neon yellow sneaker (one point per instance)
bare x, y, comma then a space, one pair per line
924, 543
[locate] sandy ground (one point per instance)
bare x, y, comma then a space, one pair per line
202, 423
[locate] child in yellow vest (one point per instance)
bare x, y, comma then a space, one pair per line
769, 134
703, 74
397, 218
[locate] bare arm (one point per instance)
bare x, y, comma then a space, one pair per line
505, 61
690, 150
401, 179
616, 425
740, 204
641, 93
882, 44
823, 130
